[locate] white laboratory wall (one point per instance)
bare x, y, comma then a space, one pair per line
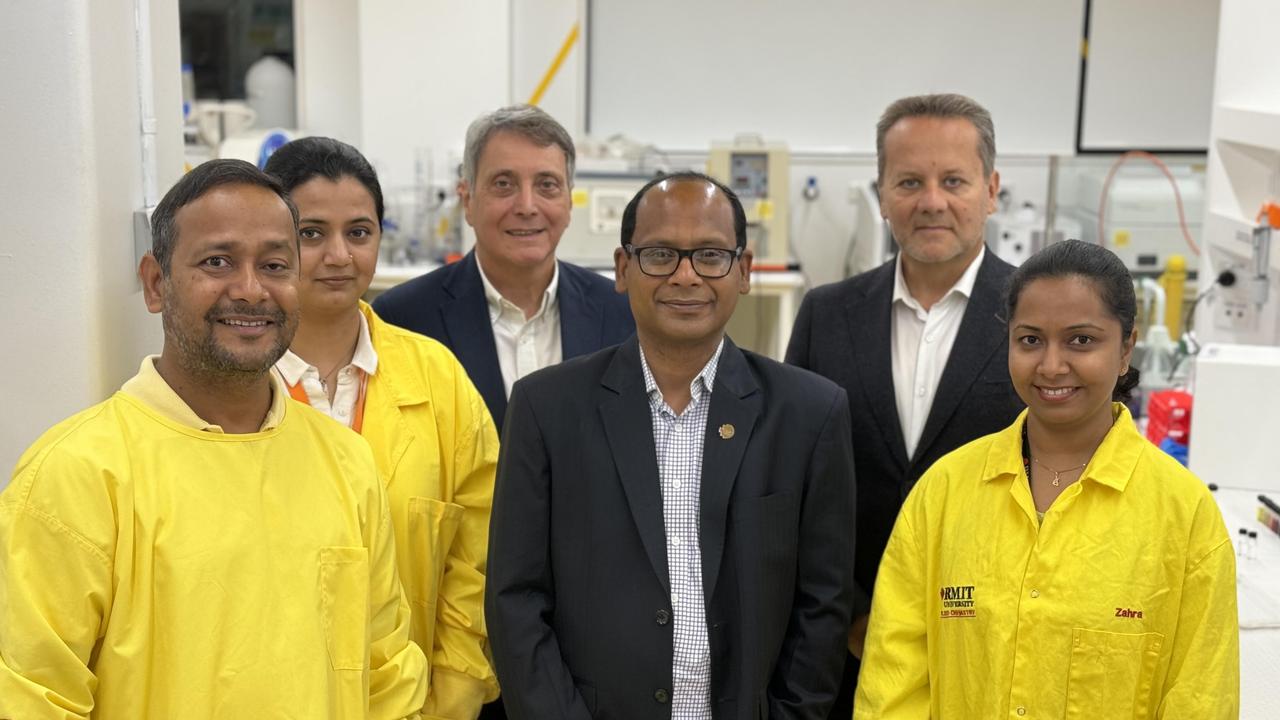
539, 28
327, 64
427, 69
402, 79
76, 325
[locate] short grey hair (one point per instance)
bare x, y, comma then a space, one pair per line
946, 105
527, 121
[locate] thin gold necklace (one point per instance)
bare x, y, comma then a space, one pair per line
1057, 474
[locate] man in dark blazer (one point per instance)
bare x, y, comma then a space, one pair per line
672, 532
920, 342
509, 307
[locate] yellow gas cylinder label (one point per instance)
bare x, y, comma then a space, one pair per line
579, 197
1120, 238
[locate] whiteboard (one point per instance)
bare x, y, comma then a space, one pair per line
1149, 83
817, 74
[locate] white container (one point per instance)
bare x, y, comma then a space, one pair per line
1235, 415
269, 87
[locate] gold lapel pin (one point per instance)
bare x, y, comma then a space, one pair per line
726, 431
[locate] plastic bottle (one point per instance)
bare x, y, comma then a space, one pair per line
269, 87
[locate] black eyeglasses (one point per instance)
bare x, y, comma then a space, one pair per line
659, 261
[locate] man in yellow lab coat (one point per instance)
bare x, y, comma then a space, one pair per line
199, 545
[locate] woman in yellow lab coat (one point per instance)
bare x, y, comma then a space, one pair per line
432, 438
1063, 567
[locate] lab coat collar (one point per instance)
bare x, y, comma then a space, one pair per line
149, 387
1111, 465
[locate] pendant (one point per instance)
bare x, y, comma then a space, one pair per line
1055, 479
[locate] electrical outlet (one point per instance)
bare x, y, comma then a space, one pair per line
1236, 316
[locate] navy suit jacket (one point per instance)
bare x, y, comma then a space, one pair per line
448, 304
843, 332
577, 597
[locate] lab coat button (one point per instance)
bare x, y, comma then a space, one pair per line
1035, 593
661, 695
662, 617
1022, 710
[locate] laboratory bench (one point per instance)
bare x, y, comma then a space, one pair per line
1258, 600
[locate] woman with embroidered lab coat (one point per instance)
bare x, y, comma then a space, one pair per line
1063, 567
432, 438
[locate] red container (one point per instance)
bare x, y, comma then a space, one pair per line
1169, 415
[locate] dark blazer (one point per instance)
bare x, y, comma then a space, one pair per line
843, 333
578, 599
448, 304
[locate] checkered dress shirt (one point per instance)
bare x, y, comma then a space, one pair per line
678, 439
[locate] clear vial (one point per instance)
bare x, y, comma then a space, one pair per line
1242, 543
1253, 544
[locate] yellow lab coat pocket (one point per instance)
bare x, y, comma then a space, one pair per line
432, 527
344, 605
1111, 674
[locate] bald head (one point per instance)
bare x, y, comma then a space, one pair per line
684, 187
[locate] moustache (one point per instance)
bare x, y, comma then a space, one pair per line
244, 309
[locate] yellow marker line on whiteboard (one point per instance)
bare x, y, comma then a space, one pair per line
555, 65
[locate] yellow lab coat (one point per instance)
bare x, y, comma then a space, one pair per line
152, 570
1122, 603
437, 452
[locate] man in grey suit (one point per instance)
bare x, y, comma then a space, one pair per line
918, 343
672, 522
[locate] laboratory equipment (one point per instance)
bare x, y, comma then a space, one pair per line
1236, 413
871, 244
218, 120
1142, 219
1017, 235
595, 222
1245, 311
760, 174
1156, 354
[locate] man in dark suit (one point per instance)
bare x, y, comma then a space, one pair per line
919, 342
672, 532
509, 307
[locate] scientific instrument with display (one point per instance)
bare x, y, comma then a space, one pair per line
760, 174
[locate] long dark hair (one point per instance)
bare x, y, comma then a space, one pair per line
1100, 267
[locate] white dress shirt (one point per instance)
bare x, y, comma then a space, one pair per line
294, 369
524, 345
921, 343
678, 440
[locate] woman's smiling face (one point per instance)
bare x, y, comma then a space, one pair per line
1066, 351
